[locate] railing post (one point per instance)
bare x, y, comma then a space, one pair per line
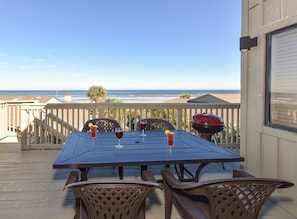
3, 120
24, 136
179, 119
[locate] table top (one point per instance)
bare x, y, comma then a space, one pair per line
81, 151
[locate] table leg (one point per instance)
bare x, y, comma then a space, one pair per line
199, 169
142, 168
121, 172
179, 169
83, 174
180, 172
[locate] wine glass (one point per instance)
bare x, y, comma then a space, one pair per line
142, 126
119, 134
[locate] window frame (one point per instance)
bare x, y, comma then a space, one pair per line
268, 79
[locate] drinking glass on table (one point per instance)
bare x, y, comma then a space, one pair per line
119, 134
93, 131
142, 126
170, 139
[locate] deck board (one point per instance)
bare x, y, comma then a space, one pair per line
32, 189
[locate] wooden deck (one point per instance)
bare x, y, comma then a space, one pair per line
32, 189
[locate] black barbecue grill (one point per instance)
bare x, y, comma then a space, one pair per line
207, 124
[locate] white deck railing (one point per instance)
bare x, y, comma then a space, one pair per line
3, 120
47, 126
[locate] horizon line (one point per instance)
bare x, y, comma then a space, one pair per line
113, 89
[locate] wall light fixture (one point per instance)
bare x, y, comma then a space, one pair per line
246, 43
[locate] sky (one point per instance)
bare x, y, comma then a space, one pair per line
120, 44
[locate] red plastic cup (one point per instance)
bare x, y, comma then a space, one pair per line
170, 139
93, 131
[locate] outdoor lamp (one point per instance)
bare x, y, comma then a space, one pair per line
246, 43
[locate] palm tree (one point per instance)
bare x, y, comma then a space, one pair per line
185, 96
95, 93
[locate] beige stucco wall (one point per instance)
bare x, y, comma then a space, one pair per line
268, 152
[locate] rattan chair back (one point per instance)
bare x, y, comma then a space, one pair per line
232, 198
103, 125
156, 124
113, 199
240, 198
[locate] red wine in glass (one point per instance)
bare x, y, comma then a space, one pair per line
142, 126
119, 135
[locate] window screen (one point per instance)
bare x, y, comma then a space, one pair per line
281, 75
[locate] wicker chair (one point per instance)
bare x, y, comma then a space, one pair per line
156, 124
240, 197
104, 125
110, 198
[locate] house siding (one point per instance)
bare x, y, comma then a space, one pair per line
268, 152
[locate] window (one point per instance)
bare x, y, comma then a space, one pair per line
281, 79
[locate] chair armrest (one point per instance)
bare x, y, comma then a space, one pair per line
148, 176
282, 183
285, 184
169, 178
73, 177
241, 173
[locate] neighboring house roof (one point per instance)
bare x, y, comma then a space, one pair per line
216, 98
30, 99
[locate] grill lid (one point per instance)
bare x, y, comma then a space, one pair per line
207, 123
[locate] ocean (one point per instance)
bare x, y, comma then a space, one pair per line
123, 95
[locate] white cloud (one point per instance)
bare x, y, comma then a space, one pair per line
39, 60
26, 67
3, 64
50, 66
35, 60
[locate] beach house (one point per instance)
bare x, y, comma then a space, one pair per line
216, 98
268, 91
21, 114
268, 115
